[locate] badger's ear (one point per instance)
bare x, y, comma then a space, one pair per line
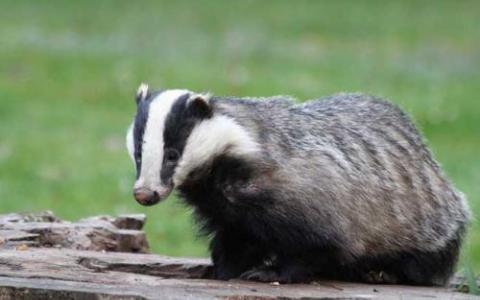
200, 106
142, 93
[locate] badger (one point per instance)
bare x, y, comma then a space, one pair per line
341, 187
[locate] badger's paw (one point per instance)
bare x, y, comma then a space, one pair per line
262, 275
380, 277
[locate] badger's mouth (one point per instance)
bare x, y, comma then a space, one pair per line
147, 197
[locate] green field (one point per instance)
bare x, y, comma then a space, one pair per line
69, 70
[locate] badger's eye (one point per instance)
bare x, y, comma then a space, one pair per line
171, 155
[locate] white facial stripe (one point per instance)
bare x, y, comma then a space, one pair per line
130, 143
210, 138
152, 152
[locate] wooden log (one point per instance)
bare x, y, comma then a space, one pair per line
103, 233
43, 257
75, 274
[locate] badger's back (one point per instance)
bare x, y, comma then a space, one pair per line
358, 163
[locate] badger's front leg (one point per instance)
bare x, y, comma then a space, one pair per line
233, 254
238, 249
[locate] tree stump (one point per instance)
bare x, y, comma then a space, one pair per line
42, 257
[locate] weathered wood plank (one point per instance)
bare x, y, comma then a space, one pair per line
78, 274
43, 257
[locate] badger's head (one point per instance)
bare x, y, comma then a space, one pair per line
175, 132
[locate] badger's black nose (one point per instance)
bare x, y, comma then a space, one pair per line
146, 197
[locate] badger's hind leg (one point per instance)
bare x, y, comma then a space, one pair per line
412, 267
429, 268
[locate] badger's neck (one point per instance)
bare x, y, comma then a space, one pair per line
220, 135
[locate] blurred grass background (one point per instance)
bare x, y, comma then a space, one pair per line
69, 70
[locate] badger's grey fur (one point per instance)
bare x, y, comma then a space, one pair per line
340, 187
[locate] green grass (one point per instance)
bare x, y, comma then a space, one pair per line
69, 69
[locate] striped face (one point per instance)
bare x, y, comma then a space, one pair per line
175, 132
157, 138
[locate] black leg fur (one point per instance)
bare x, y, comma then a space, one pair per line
294, 267
291, 273
237, 256
233, 255
429, 268
412, 268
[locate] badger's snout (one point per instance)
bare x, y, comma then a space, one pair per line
149, 197
146, 197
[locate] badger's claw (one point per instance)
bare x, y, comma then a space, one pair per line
262, 275
380, 277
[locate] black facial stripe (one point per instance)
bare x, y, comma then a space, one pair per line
179, 124
141, 118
